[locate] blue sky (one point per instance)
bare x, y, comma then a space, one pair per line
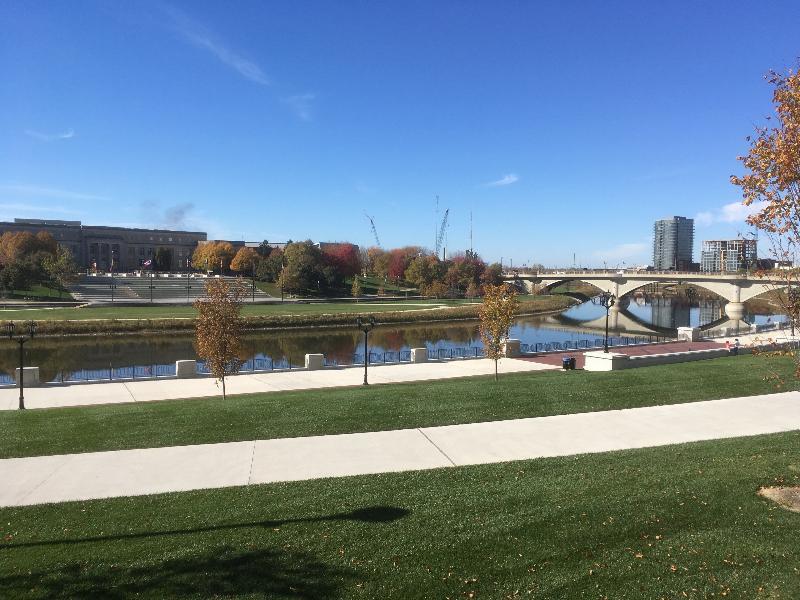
563, 127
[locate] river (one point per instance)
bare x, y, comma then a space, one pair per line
125, 356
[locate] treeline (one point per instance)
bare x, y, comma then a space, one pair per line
27, 260
321, 269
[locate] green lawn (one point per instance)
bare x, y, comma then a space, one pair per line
291, 414
40, 292
677, 522
166, 312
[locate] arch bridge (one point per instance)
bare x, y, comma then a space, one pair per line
736, 288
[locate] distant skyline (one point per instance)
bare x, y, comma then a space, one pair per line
564, 129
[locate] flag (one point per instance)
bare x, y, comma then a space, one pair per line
147, 263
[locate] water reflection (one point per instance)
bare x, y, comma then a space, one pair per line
641, 316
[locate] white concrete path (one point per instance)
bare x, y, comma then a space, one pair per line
154, 470
58, 395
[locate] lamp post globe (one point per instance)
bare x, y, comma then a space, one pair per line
606, 300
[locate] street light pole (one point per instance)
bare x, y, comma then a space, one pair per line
606, 300
188, 279
366, 326
21, 339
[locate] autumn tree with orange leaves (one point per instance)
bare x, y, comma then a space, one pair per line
771, 185
500, 303
218, 328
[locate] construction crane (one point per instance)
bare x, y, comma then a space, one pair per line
372, 227
442, 231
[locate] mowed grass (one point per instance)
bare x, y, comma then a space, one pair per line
679, 521
379, 407
188, 312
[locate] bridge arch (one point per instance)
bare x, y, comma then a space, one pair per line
735, 288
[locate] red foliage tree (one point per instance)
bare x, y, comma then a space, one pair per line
344, 258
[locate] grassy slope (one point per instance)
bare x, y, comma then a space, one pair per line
291, 414
674, 522
40, 292
166, 312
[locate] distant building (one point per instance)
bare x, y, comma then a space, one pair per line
673, 240
120, 248
770, 264
729, 255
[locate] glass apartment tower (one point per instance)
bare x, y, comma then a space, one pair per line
728, 255
673, 240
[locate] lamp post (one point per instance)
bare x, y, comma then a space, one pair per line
366, 326
151, 285
188, 280
283, 267
21, 339
113, 285
606, 300
254, 282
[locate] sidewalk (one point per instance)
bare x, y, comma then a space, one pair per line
59, 395
62, 478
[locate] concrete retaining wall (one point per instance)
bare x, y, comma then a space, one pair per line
601, 361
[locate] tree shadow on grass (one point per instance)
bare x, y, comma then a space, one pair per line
224, 571
368, 514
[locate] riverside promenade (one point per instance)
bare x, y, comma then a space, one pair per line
83, 394
60, 478
149, 390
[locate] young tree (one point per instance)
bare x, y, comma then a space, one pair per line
356, 289
218, 328
212, 256
60, 268
771, 186
496, 313
245, 260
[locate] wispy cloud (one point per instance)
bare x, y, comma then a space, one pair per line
504, 180
200, 36
50, 137
47, 192
301, 105
734, 212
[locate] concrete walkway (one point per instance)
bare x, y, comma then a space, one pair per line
61, 478
59, 395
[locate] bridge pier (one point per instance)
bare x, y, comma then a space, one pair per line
735, 310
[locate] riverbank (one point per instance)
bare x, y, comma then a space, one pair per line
131, 320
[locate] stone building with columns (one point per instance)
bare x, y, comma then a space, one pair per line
120, 248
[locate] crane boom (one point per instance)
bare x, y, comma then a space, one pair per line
372, 227
442, 230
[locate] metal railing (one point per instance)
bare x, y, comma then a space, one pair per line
267, 364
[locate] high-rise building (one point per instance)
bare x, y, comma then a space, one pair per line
673, 240
728, 255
